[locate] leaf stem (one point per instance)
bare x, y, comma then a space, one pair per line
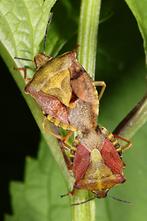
87, 40
84, 211
135, 119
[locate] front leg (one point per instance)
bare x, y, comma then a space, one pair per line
24, 70
100, 84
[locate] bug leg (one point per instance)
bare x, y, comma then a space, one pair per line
100, 84
71, 193
69, 149
24, 69
123, 147
63, 195
66, 138
47, 128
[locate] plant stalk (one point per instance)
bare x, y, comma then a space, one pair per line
87, 37
135, 119
87, 40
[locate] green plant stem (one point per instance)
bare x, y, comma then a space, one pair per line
87, 40
134, 120
87, 37
85, 211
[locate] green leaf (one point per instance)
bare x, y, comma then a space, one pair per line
9, 218
139, 9
38, 198
23, 29
23, 25
57, 40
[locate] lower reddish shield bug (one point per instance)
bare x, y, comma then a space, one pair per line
98, 168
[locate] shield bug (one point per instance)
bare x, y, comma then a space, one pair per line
99, 167
64, 81
99, 178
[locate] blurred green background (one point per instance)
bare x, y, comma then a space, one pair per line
121, 64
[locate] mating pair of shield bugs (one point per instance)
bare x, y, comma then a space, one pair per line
69, 99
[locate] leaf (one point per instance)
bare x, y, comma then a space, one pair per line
23, 26
38, 198
139, 9
22, 30
9, 218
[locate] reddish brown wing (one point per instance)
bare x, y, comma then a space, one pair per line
98, 178
49, 104
111, 157
85, 90
81, 162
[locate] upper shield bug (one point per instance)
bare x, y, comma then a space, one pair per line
65, 92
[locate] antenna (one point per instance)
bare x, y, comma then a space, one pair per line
77, 204
120, 200
66, 194
25, 59
46, 31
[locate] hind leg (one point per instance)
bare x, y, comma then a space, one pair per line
47, 128
123, 147
64, 139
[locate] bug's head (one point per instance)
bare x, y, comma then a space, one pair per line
101, 194
41, 59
